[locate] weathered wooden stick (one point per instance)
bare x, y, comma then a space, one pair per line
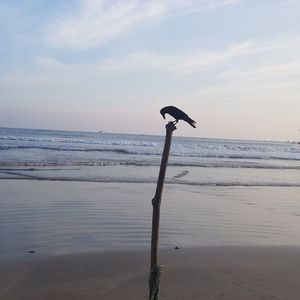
154, 267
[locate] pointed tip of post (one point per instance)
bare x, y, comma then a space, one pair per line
171, 126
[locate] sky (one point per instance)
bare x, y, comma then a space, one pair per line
111, 65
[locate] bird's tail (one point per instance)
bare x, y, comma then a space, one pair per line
191, 122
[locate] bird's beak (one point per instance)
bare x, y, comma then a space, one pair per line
163, 116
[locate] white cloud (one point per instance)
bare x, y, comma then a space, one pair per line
275, 70
98, 21
177, 64
51, 64
137, 62
280, 58
201, 61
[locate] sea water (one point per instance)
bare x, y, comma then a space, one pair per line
107, 157
65, 192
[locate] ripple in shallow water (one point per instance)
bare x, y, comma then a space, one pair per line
64, 217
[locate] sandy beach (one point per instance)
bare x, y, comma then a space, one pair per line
203, 273
63, 217
235, 243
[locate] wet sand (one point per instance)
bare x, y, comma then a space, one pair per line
204, 273
77, 231
57, 217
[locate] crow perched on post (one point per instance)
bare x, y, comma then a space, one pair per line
177, 114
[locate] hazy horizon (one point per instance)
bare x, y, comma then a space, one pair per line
162, 134
232, 65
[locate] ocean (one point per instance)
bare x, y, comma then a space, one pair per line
67, 192
110, 157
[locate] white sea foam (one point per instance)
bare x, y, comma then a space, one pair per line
37, 148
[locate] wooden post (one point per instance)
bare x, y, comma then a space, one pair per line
154, 267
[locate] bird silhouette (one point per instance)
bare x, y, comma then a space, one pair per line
177, 114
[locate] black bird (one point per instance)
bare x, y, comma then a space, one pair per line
177, 114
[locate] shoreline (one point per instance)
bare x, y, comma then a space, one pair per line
176, 175
76, 230
57, 217
231, 272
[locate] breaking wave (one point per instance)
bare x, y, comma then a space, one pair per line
174, 153
46, 148
153, 181
215, 164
